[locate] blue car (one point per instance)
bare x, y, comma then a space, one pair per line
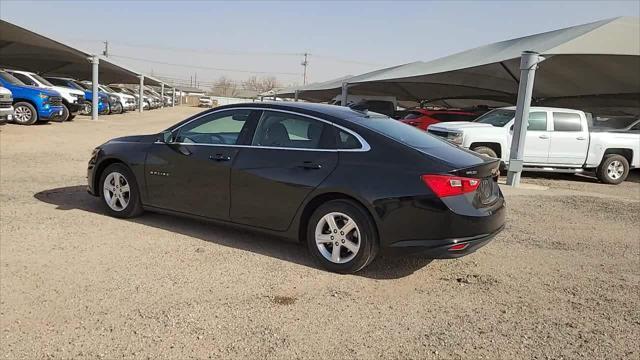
31, 103
103, 99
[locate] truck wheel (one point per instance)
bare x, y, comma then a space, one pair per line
24, 113
65, 114
483, 150
614, 169
87, 108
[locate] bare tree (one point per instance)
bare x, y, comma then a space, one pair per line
224, 87
260, 85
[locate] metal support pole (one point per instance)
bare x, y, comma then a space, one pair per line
162, 93
528, 64
173, 97
141, 94
94, 87
345, 93
295, 96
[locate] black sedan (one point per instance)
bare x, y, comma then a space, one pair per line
348, 183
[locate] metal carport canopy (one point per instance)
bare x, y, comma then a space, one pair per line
590, 64
585, 62
22, 49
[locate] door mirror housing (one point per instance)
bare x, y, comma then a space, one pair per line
166, 137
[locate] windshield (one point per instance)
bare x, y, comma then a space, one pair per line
497, 117
41, 80
10, 78
83, 85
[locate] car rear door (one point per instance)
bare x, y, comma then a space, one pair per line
569, 139
191, 173
289, 156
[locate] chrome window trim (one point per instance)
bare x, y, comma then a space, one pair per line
364, 145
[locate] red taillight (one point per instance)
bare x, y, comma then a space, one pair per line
448, 185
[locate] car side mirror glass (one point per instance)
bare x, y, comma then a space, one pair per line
166, 137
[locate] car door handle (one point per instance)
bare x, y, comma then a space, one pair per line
543, 136
310, 165
581, 138
220, 157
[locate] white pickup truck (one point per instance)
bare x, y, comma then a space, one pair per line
558, 140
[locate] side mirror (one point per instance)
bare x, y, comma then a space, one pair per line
166, 137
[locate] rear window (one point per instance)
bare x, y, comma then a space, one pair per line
412, 115
566, 122
401, 132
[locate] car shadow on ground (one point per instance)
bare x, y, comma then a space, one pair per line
384, 267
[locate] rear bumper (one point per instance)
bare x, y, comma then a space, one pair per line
441, 249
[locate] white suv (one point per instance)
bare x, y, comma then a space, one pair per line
72, 99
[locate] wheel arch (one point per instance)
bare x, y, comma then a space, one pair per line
101, 166
624, 152
322, 198
17, 100
495, 146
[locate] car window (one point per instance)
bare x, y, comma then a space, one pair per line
636, 126
222, 128
25, 79
537, 121
277, 129
10, 79
412, 115
497, 117
347, 141
566, 122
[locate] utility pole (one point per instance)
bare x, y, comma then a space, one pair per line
106, 49
195, 79
304, 63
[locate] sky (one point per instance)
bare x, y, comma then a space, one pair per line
207, 39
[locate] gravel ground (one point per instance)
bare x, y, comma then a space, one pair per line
562, 281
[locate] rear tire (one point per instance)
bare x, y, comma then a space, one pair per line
484, 150
337, 251
119, 192
24, 113
614, 169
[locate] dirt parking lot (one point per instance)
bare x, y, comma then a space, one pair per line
562, 281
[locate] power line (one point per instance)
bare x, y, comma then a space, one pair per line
204, 67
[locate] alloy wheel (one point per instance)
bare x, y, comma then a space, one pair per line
337, 237
116, 191
615, 170
22, 114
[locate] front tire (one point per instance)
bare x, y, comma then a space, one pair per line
614, 169
484, 150
119, 192
65, 114
24, 113
88, 108
342, 236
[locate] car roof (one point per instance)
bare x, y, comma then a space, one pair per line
336, 111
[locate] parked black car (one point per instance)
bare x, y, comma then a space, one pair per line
347, 183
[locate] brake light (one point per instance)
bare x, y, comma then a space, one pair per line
448, 185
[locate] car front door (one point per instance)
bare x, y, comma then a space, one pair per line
569, 139
289, 156
536, 146
190, 173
